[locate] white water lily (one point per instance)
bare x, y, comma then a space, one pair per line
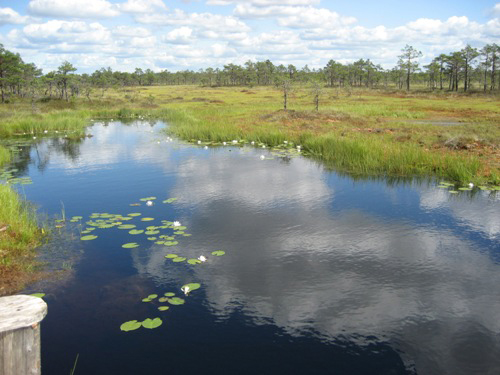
235, 141
206, 147
177, 224
471, 185
149, 203
202, 258
262, 157
45, 131
263, 146
186, 290
34, 137
224, 143
199, 142
252, 142
285, 142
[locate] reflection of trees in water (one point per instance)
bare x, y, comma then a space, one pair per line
40, 158
68, 147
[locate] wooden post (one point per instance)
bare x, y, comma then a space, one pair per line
20, 334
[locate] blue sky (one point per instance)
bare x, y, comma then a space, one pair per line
194, 34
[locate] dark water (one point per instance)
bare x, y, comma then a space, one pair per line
323, 274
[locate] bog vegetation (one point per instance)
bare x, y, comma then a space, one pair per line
439, 120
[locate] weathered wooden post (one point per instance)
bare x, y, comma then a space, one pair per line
20, 334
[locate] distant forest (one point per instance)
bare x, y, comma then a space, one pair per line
464, 70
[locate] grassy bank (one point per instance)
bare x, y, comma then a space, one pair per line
19, 234
378, 132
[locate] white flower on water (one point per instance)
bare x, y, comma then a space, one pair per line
263, 146
34, 137
199, 142
177, 223
471, 185
206, 147
252, 142
202, 258
158, 142
262, 157
235, 141
185, 289
285, 142
45, 131
149, 203
224, 143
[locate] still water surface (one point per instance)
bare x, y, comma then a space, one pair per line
323, 273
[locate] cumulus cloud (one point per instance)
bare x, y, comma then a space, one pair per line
263, 3
10, 16
74, 32
73, 8
181, 35
142, 6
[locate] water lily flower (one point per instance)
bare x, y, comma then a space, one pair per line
471, 185
262, 157
185, 289
224, 143
149, 203
206, 147
235, 141
202, 258
177, 224
199, 142
285, 142
263, 146
45, 131
252, 142
34, 137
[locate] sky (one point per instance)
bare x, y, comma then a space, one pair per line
195, 34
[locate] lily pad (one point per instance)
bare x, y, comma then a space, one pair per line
169, 294
152, 238
130, 326
88, 238
39, 295
170, 200
192, 286
147, 219
146, 300
162, 299
152, 323
136, 231
151, 232
134, 214
176, 301
171, 243
126, 226
171, 256
194, 261
130, 245
163, 308
218, 253
178, 259
152, 296
179, 232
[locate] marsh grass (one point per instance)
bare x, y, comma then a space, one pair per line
19, 234
4, 156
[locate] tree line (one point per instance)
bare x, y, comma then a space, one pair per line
469, 68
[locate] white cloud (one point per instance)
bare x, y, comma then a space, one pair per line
73, 8
199, 20
10, 16
128, 31
73, 32
263, 3
496, 10
142, 6
182, 35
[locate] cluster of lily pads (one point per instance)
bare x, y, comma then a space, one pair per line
453, 189
168, 297
7, 175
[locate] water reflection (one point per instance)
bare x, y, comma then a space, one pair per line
312, 254
428, 290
